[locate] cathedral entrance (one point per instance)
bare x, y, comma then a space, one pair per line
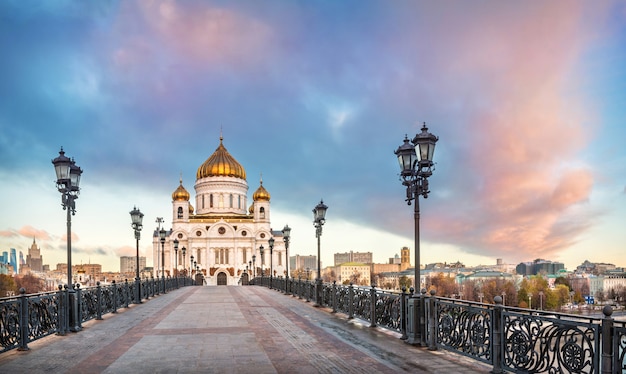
222, 279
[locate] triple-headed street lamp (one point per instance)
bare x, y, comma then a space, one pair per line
286, 235
68, 181
319, 217
137, 218
416, 165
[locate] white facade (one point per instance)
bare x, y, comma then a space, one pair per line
224, 236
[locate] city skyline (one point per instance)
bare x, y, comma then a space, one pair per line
526, 98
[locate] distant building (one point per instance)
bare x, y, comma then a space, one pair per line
128, 265
363, 257
299, 264
13, 260
539, 266
34, 260
353, 272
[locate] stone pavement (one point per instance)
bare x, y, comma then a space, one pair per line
230, 329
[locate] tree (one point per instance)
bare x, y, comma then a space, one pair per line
444, 285
7, 286
404, 281
564, 281
31, 283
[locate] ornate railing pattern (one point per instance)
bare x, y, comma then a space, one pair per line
26, 318
465, 328
511, 339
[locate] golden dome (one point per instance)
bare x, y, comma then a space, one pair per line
261, 193
181, 193
251, 209
190, 209
221, 164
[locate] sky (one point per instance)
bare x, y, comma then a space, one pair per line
528, 100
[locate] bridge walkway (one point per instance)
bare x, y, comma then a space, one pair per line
230, 329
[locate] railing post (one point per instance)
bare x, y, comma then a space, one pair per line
126, 293
413, 318
373, 305
497, 339
422, 318
99, 301
607, 341
334, 296
308, 291
61, 316
403, 297
138, 290
432, 322
350, 301
114, 286
23, 321
79, 306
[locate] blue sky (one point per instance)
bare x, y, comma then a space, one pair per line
527, 98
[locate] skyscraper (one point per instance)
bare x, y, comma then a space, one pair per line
13, 260
34, 259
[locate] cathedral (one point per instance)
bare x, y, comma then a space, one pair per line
223, 234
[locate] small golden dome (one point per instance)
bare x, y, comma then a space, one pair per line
251, 209
190, 209
261, 193
181, 193
221, 164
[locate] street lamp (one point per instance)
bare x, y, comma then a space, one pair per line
540, 300
176, 260
254, 264
271, 243
68, 181
137, 217
503, 298
184, 266
286, 236
262, 252
416, 165
319, 218
191, 266
530, 305
162, 237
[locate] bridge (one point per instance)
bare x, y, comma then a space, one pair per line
229, 329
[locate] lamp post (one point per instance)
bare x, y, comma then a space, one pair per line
503, 298
416, 163
530, 305
254, 264
137, 217
319, 218
68, 181
251, 270
176, 260
540, 300
286, 236
162, 237
271, 243
191, 267
262, 252
184, 266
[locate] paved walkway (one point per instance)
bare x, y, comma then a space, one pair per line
229, 329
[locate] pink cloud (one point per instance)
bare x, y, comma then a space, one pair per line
525, 132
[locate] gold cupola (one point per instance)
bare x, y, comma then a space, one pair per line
181, 193
261, 193
221, 164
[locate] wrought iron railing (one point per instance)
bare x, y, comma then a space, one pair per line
26, 318
508, 338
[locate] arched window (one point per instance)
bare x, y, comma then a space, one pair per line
211, 201
231, 201
262, 212
180, 212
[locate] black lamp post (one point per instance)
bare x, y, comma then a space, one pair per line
176, 260
184, 262
250, 272
271, 243
319, 218
254, 264
137, 217
262, 252
162, 237
414, 172
191, 266
286, 235
68, 181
